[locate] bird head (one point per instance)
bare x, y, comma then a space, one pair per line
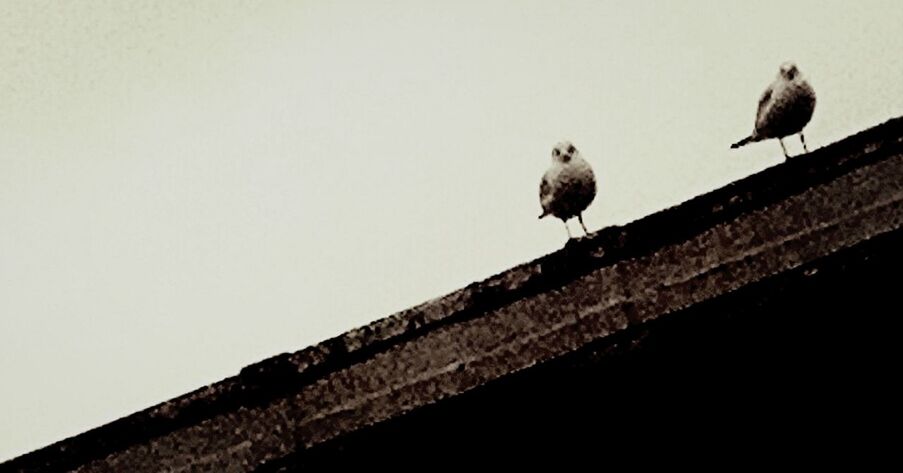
564, 151
789, 70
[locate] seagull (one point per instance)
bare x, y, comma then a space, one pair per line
568, 186
785, 108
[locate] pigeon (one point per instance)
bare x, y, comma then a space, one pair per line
568, 186
785, 108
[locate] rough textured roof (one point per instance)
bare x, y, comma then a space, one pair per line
775, 221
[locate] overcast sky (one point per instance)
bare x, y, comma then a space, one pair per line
190, 187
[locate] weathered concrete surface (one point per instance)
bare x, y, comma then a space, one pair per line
798, 367
792, 216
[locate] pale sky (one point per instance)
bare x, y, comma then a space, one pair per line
190, 187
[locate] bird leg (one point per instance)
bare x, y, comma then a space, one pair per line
781, 140
580, 219
803, 139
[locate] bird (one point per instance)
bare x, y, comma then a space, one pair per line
785, 108
568, 186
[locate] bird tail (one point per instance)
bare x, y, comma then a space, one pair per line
743, 142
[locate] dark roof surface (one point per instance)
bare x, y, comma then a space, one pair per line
768, 223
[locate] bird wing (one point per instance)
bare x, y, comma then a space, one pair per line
544, 188
545, 191
763, 102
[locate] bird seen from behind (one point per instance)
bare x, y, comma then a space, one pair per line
785, 108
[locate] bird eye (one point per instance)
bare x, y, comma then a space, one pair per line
571, 149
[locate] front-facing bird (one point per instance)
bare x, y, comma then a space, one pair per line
568, 187
785, 108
